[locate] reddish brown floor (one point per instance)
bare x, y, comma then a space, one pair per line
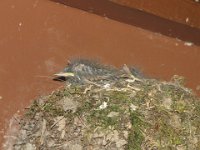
143, 20
182, 11
38, 36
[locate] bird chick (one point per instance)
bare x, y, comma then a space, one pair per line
82, 70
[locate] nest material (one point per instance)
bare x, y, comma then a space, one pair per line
128, 113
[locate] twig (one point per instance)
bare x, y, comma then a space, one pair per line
87, 89
56, 122
127, 70
43, 131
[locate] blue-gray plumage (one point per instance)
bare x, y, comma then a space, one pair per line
88, 70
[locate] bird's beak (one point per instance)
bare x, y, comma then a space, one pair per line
64, 74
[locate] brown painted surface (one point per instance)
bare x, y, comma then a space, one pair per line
38, 36
182, 11
137, 18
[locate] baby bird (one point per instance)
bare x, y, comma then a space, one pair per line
86, 71
83, 70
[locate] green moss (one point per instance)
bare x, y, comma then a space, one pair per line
53, 110
100, 118
84, 108
158, 115
34, 108
179, 106
136, 138
119, 98
168, 134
